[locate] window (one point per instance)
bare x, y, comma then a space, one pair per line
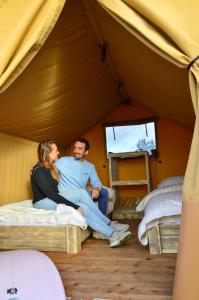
135, 135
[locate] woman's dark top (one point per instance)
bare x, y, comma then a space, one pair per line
45, 186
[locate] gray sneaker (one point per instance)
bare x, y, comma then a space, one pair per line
119, 227
98, 235
119, 238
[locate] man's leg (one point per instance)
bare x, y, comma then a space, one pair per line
79, 196
95, 222
103, 201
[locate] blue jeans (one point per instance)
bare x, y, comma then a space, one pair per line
102, 200
46, 203
95, 219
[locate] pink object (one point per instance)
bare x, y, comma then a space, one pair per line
29, 275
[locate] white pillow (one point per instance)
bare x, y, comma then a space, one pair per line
173, 180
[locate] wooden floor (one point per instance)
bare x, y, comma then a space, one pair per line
128, 272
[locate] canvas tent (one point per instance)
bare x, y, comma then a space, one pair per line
94, 46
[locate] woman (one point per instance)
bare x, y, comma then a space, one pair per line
45, 179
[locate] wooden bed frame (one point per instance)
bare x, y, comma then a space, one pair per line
66, 238
163, 238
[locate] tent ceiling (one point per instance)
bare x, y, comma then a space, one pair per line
148, 78
66, 89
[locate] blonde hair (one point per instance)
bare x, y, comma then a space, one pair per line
43, 152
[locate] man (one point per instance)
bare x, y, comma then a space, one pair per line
76, 172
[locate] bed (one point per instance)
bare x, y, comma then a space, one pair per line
162, 208
24, 227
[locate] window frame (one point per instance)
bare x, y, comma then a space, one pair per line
139, 121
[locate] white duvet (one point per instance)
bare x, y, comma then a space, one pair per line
161, 205
24, 214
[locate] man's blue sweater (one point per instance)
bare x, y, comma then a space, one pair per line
76, 173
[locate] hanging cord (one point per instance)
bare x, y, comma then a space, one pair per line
146, 130
192, 62
103, 48
114, 133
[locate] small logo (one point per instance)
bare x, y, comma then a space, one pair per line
12, 293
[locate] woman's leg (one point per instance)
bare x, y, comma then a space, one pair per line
46, 203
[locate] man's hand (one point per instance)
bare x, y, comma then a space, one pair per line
30, 171
95, 193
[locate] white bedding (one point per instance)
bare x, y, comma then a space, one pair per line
172, 180
159, 191
159, 207
24, 214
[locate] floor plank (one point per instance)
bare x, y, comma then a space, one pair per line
125, 273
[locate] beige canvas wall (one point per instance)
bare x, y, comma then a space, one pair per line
16, 157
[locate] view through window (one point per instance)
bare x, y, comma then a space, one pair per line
131, 137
